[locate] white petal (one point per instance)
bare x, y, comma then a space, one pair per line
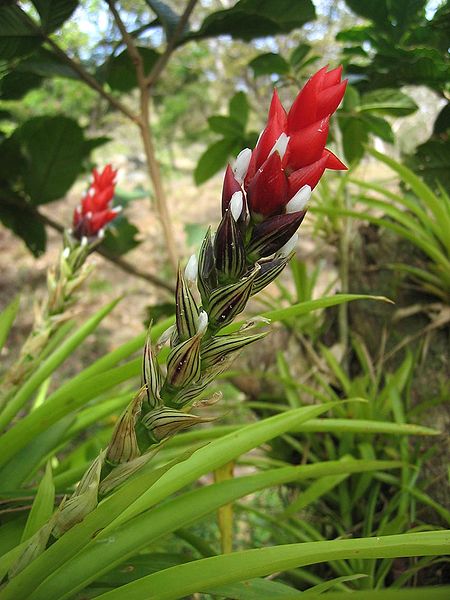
236, 204
280, 145
300, 200
202, 322
289, 246
84, 241
66, 252
165, 336
242, 161
191, 270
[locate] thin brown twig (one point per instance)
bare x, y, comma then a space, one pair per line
120, 262
82, 73
171, 43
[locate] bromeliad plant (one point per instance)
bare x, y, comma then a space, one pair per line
121, 505
65, 278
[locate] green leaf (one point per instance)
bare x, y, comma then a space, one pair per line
438, 592
213, 159
54, 148
388, 102
374, 10
268, 64
354, 136
298, 54
43, 505
121, 72
120, 237
379, 127
17, 36
15, 85
45, 369
238, 108
7, 318
226, 126
249, 19
45, 63
442, 123
431, 161
168, 17
195, 576
21, 219
54, 13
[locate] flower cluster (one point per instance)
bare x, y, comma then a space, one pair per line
263, 203
95, 210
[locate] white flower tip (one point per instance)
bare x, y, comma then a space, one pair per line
165, 336
191, 270
89, 214
290, 245
236, 205
299, 200
280, 145
101, 233
84, 241
117, 209
241, 163
66, 253
202, 322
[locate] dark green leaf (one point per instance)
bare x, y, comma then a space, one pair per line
374, 10
53, 13
298, 54
168, 17
379, 127
22, 221
268, 64
121, 73
226, 126
238, 108
54, 148
93, 143
389, 102
213, 159
354, 136
45, 63
249, 19
431, 161
442, 123
120, 237
15, 85
17, 36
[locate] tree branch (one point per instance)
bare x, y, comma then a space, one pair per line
120, 262
171, 43
147, 140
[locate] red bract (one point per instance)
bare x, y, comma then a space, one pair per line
95, 211
290, 152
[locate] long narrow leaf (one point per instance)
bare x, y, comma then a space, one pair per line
7, 318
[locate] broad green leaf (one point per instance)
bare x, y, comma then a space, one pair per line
213, 159
379, 127
354, 137
43, 505
374, 10
45, 63
388, 102
256, 589
7, 318
54, 13
268, 64
249, 19
168, 17
192, 577
120, 70
298, 54
15, 85
17, 36
54, 149
238, 108
120, 237
226, 126
21, 219
438, 592
431, 161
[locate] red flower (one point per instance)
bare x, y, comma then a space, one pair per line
95, 211
290, 153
